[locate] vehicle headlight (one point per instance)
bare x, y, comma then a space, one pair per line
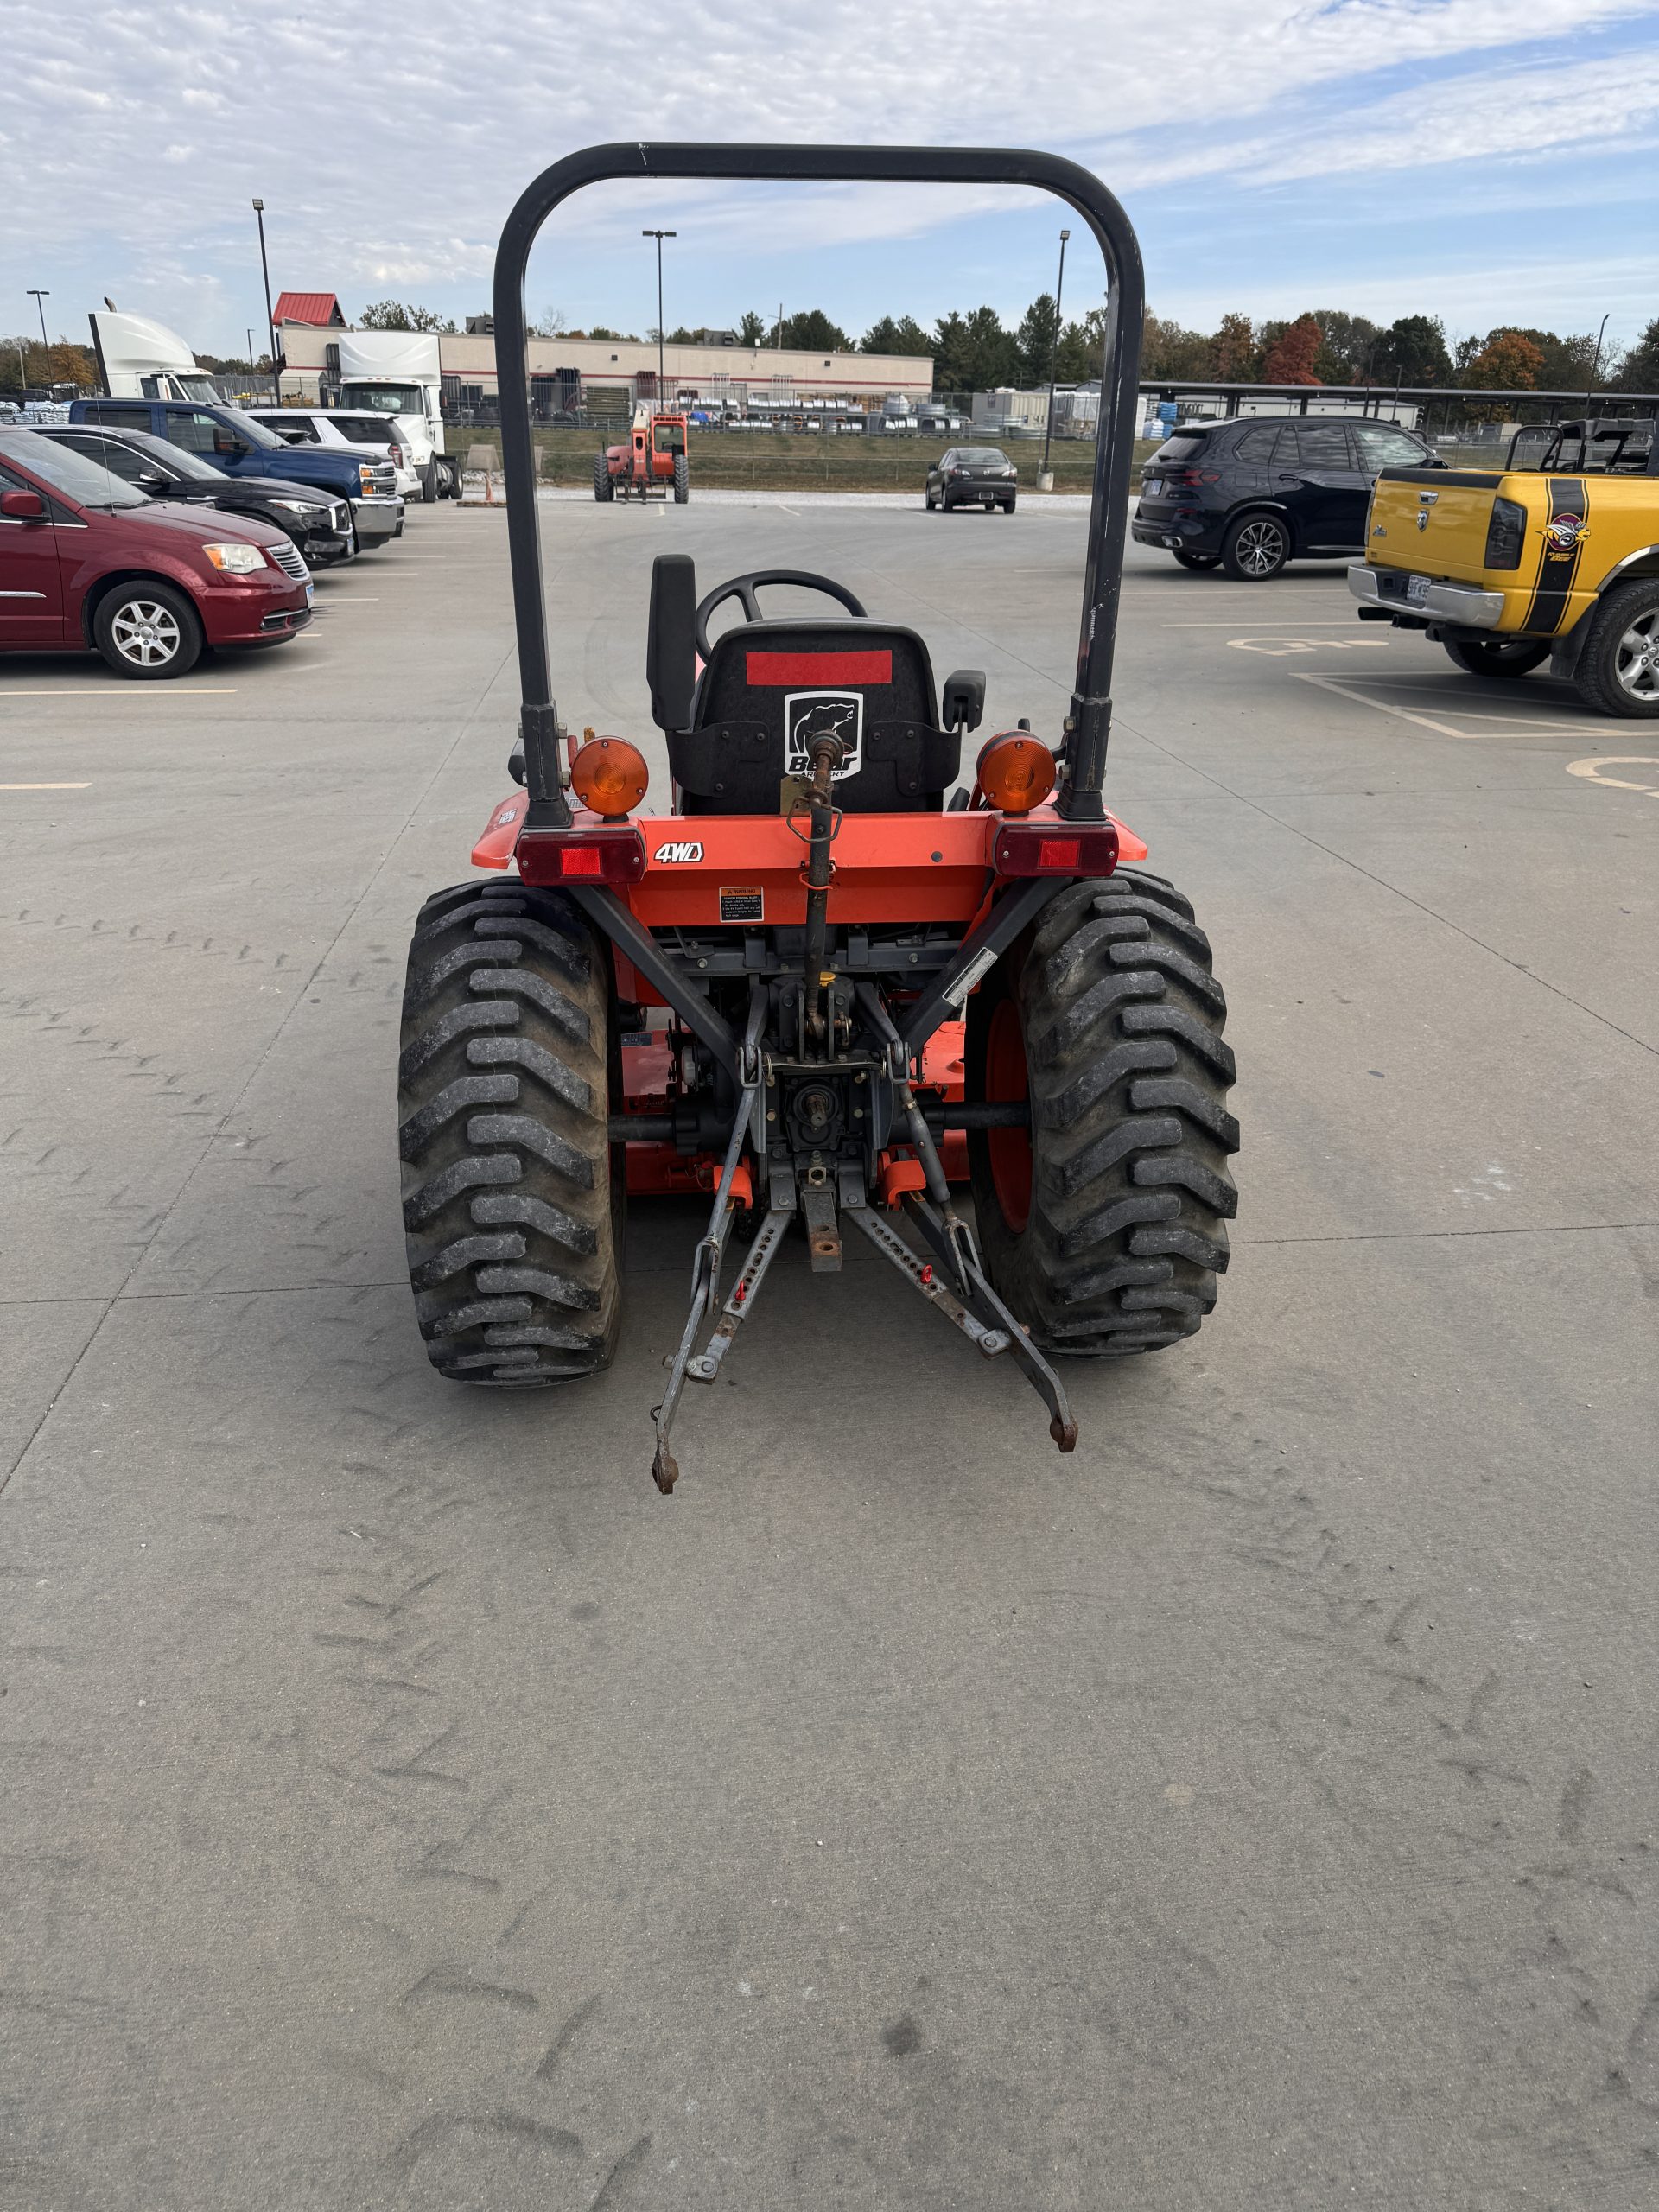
293, 506
235, 560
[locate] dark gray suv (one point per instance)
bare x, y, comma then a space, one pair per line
1249, 495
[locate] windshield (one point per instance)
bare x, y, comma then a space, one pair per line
385, 398
255, 433
364, 429
983, 457
669, 437
72, 473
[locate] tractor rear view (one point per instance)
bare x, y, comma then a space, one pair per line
651, 464
843, 973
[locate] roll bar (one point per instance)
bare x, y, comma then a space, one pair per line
1088, 721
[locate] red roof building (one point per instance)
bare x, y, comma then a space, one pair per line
320, 309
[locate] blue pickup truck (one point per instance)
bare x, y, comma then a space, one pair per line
235, 442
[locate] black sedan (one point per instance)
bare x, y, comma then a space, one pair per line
971, 476
318, 521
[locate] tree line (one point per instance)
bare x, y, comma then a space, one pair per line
977, 352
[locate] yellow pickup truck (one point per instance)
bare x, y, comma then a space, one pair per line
1520, 566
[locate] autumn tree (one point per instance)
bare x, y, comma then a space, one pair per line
1291, 357
1508, 361
1235, 351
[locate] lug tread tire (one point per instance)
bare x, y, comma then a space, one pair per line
1596, 681
604, 483
511, 1210
682, 478
1128, 1073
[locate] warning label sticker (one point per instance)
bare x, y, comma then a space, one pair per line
742, 903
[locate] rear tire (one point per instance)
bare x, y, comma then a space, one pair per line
512, 1197
1195, 561
604, 482
1105, 1226
1501, 657
148, 630
1619, 669
1255, 548
430, 484
682, 479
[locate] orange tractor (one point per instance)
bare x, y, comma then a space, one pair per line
841, 967
651, 463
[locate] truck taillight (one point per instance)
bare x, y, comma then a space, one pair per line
1056, 848
1505, 534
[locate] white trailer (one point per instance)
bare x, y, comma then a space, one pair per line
395, 373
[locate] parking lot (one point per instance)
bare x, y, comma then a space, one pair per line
408, 1806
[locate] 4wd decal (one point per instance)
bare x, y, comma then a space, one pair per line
678, 852
808, 715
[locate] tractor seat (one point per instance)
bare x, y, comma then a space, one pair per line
770, 688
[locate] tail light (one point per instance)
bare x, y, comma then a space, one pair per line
1056, 848
396, 455
1188, 479
596, 856
1505, 534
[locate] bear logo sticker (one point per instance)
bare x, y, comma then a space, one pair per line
808, 715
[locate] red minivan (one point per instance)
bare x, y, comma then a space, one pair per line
87, 562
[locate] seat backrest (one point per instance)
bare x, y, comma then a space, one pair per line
770, 688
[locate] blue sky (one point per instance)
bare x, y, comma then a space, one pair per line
1388, 156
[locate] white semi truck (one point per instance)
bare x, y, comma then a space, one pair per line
141, 359
395, 373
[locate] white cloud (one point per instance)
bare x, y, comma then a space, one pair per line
390, 157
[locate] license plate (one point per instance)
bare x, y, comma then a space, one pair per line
1416, 591
309, 591
1152, 487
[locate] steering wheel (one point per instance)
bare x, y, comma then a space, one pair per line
745, 587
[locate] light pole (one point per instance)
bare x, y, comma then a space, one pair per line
1045, 481
1595, 364
271, 323
40, 299
660, 236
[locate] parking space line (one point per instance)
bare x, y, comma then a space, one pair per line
113, 691
1266, 629
1379, 706
45, 787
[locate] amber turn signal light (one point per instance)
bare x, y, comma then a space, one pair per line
609, 777
1015, 772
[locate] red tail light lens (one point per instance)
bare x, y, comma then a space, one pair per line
581, 855
1188, 479
1056, 848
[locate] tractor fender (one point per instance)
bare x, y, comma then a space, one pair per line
496, 845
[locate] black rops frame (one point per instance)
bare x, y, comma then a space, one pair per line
1088, 721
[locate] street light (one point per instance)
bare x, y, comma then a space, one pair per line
1595, 364
39, 298
660, 236
1045, 481
270, 321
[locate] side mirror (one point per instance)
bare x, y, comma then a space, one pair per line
962, 701
23, 506
151, 480
672, 639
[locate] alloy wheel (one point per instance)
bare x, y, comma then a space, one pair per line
1260, 548
146, 633
1636, 661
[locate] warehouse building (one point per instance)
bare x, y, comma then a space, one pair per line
720, 372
